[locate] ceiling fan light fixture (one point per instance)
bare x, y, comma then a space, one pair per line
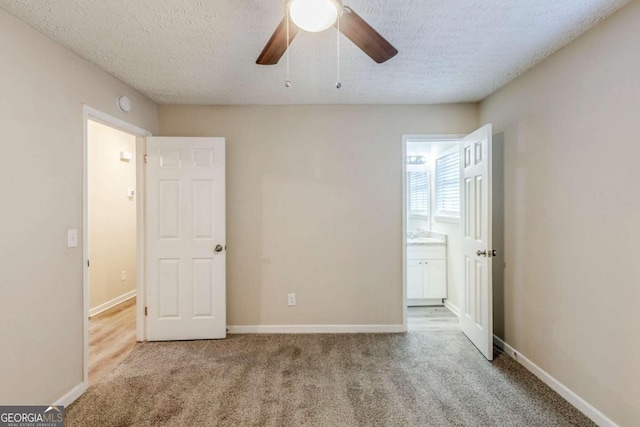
314, 15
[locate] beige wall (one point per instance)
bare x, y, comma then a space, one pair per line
43, 89
572, 212
314, 205
112, 214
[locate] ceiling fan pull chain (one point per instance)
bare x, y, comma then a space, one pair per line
338, 82
287, 83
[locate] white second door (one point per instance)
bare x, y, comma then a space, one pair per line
185, 245
476, 319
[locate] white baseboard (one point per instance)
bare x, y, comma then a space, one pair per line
109, 304
451, 306
315, 329
71, 396
580, 404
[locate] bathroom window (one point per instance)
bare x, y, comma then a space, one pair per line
419, 193
448, 185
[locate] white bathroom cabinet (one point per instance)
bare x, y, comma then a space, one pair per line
426, 273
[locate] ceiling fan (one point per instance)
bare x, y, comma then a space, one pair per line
318, 15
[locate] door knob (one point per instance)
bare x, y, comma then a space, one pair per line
218, 248
481, 253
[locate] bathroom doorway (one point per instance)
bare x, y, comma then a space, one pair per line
452, 232
432, 232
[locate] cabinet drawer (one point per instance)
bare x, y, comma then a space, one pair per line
426, 252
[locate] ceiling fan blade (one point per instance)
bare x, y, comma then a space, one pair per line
365, 37
277, 44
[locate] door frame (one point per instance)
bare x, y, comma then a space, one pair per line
90, 113
405, 141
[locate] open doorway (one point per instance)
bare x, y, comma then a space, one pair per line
432, 233
113, 241
451, 238
112, 188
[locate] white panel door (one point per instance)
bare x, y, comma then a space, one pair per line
476, 317
185, 245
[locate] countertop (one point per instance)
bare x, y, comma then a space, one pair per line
428, 241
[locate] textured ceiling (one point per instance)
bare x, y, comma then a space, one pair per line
204, 51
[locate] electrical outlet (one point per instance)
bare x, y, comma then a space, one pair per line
291, 298
123, 275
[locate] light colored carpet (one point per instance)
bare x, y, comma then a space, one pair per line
434, 378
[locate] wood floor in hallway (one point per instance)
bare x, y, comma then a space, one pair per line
112, 337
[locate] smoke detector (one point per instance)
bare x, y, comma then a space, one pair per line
124, 104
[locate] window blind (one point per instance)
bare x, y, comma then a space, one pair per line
419, 192
448, 184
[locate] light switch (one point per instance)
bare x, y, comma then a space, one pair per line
131, 193
72, 238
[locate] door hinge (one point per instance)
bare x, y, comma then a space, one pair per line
88, 263
146, 311
146, 159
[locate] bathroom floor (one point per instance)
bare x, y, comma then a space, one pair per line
431, 318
